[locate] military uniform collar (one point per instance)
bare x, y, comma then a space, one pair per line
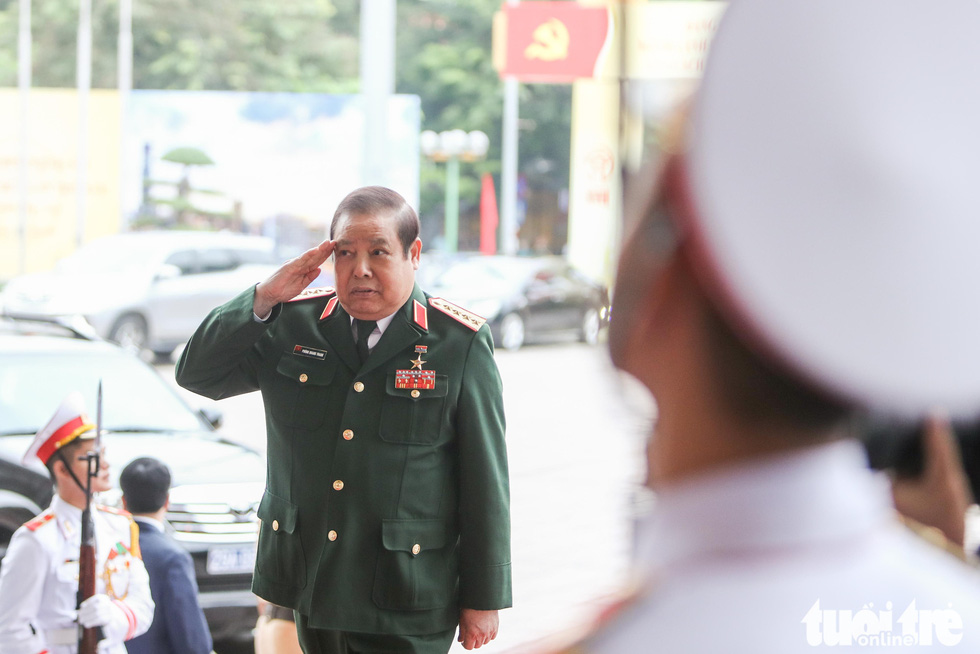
67, 516
407, 325
64, 510
416, 309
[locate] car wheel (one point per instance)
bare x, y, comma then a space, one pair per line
130, 333
512, 332
590, 327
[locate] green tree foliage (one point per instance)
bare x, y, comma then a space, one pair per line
238, 45
243, 45
444, 56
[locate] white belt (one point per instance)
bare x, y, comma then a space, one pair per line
66, 636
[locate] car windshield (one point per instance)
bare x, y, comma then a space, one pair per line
109, 255
134, 396
490, 276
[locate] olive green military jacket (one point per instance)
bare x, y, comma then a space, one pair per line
386, 507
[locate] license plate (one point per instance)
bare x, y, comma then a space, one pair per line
231, 560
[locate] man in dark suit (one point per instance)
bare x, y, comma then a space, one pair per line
385, 521
178, 624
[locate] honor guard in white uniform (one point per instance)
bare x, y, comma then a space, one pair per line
808, 250
40, 573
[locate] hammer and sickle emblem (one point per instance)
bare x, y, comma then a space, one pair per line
550, 42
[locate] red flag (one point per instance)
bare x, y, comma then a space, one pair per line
488, 216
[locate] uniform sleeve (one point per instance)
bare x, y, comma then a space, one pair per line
138, 603
218, 359
186, 627
484, 508
21, 587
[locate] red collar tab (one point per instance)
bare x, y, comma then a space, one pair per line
329, 309
420, 315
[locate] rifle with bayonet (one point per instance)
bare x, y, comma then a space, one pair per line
88, 639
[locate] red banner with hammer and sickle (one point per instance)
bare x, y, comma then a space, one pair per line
553, 41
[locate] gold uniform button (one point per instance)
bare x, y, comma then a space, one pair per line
331, 535
415, 393
358, 387
303, 377
338, 485
416, 548
275, 525
348, 434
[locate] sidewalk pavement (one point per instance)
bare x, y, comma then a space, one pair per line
575, 435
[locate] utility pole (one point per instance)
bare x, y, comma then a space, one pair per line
377, 84
83, 77
24, 62
508, 165
125, 81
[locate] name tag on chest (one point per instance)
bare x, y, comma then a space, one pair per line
311, 352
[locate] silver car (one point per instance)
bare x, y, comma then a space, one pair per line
147, 291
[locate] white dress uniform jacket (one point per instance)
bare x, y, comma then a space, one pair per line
39, 580
793, 554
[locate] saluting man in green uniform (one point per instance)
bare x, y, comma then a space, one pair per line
385, 520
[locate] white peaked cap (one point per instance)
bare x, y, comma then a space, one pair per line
834, 172
68, 423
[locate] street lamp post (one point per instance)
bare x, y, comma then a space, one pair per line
452, 146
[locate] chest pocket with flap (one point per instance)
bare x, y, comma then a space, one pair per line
413, 415
299, 393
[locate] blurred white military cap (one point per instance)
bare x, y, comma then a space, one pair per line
834, 172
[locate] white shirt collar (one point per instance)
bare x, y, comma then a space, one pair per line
153, 522
809, 497
382, 323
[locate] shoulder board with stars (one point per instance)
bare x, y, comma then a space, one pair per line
458, 313
310, 293
37, 521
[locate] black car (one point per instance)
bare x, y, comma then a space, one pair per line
524, 299
217, 484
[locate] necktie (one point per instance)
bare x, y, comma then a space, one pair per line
364, 329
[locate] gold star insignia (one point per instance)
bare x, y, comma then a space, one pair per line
417, 363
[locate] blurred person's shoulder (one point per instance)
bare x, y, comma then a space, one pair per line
893, 579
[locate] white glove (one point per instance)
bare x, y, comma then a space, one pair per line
99, 611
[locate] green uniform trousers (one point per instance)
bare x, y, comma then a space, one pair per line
329, 641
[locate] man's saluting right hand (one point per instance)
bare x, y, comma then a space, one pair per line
294, 275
